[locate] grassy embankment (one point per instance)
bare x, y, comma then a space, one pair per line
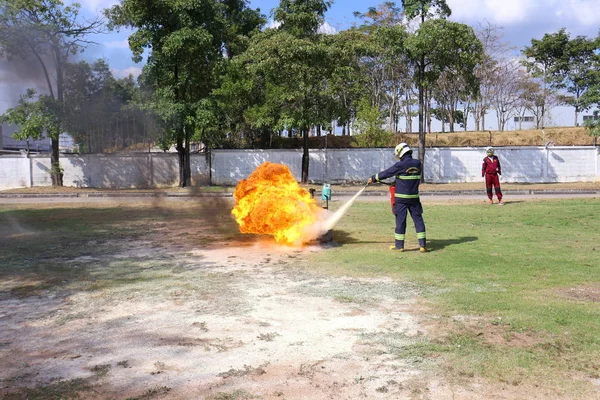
559, 136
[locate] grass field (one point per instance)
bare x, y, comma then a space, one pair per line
510, 295
513, 292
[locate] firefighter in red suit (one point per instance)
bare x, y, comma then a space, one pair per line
407, 173
491, 170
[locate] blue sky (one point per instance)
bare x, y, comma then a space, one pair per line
521, 20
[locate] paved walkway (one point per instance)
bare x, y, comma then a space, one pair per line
48, 195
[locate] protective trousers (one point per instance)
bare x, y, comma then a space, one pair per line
493, 180
416, 213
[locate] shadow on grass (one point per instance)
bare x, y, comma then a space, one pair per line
341, 238
439, 244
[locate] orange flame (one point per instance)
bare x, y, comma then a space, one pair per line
270, 202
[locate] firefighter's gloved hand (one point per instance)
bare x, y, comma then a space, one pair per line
369, 181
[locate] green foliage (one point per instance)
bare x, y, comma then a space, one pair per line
301, 18
385, 14
425, 9
593, 127
369, 123
565, 64
46, 32
31, 28
102, 113
186, 42
290, 72
446, 46
34, 116
546, 56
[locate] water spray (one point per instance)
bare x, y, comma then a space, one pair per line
330, 222
322, 229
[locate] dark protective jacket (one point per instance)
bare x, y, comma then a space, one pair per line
408, 177
491, 166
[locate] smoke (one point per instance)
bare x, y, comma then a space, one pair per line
16, 76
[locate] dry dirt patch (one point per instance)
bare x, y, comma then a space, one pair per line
589, 293
240, 320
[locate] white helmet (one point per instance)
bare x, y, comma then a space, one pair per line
489, 150
401, 150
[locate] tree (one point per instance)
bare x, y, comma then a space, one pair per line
440, 46
387, 63
292, 73
593, 127
291, 62
188, 42
423, 9
301, 18
506, 90
495, 51
346, 83
577, 72
369, 123
101, 112
34, 115
48, 32
544, 58
426, 9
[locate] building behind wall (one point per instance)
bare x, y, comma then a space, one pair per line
524, 122
7, 142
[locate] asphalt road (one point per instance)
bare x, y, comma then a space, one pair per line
107, 197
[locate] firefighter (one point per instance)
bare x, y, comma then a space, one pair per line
407, 172
491, 170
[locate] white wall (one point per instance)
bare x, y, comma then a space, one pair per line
228, 167
14, 172
442, 165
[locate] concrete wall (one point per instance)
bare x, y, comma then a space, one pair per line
227, 167
14, 172
114, 171
442, 165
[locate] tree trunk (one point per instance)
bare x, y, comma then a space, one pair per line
451, 117
305, 157
187, 168
183, 153
408, 114
181, 158
392, 115
421, 113
55, 170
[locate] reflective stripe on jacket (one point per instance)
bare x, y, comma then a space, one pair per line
407, 172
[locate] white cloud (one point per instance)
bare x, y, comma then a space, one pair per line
324, 28
584, 12
96, 5
273, 24
327, 29
123, 73
513, 12
505, 12
117, 44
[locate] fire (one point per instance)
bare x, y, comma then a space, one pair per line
270, 202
